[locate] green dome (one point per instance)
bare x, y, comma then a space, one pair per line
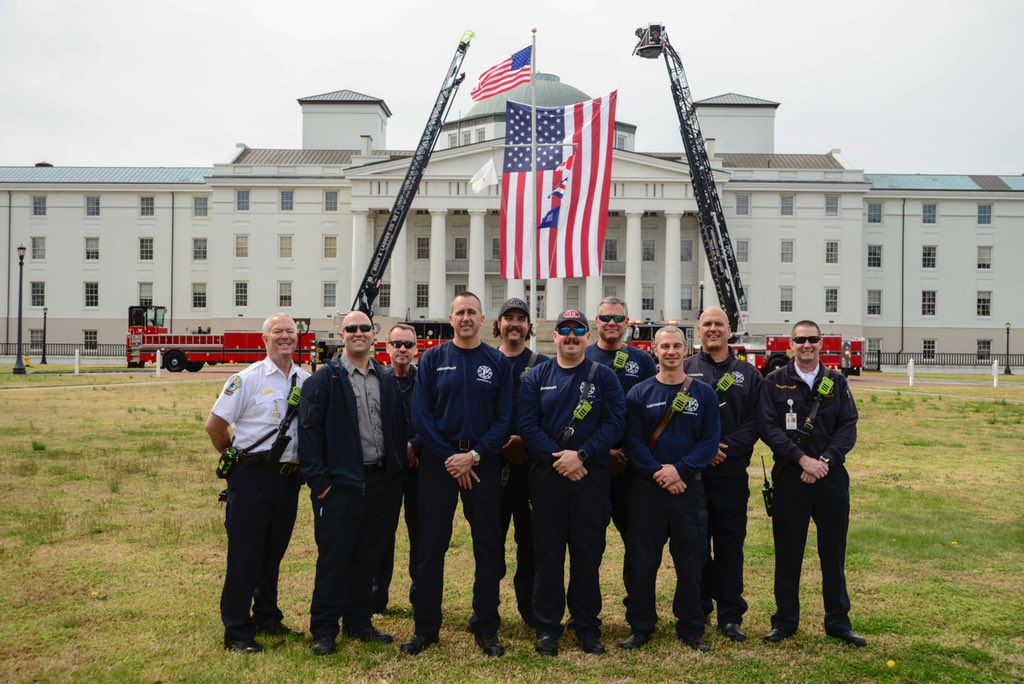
551, 92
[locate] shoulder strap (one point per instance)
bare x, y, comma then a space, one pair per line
652, 440
282, 427
584, 393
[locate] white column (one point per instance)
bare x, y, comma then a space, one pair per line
400, 277
554, 298
477, 253
595, 293
634, 256
439, 300
673, 225
360, 226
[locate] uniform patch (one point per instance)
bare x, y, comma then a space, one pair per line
484, 372
738, 377
593, 389
632, 368
233, 384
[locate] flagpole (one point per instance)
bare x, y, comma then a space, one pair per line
532, 222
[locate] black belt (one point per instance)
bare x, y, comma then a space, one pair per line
464, 444
257, 459
373, 467
693, 478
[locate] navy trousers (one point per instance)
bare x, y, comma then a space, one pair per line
722, 582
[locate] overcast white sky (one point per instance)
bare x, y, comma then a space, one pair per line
901, 86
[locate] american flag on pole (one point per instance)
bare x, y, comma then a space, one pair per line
504, 76
572, 247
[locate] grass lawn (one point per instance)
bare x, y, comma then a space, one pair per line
112, 554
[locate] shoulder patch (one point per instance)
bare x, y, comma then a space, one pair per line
233, 384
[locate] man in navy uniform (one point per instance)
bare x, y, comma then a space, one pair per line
401, 348
570, 416
462, 407
263, 491
352, 450
809, 420
631, 366
738, 386
514, 328
672, 433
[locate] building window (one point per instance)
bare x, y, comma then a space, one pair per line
287, 200
241, 246
786, 299
786, 205
457, 288
984, 304
384, 295
984, 214
145, 249
831, 205
928, 213
90, 340
497, 296
38, 290
985, 257
200, 207
39, 205
38, 249
611, 291
928, 350
496, 250
620, 142
467, 137
611, 249
786, 251
198, 249
147, 206
874, 302
145, 294
422, 248
198, 295
453, 140
330, 246
874, 212
874, 256
929, 256
242, 200
331, 200
284, 294
928, 303
35, 340
873, 345
92, 295
422, 295
831, 251
461, 248
648, 250
686, 250
743, 205
241, 293
686, 298
284, 246
92, 205
832, 300
984, 350
743, 251
481, 135
572, 296
647, 298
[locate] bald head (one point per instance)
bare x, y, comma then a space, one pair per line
714, 331
354, 318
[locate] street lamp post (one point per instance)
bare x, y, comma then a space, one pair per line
19, 362
42, 361
1006, 371
700, 309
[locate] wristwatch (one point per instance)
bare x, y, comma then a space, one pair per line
825, 459
476, 456
583, 455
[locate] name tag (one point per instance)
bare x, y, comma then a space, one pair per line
791, 421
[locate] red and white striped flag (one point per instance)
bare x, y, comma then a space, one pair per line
504, 76
573, 248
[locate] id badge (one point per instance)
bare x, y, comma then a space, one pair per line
277, 411
791, 421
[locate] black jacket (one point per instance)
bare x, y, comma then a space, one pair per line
330, 452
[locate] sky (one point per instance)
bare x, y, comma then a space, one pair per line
900, 86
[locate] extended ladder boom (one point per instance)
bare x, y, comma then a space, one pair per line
370, 285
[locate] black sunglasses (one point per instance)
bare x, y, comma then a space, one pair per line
608, 318
401, 344
813, 339
361, 327
577, 330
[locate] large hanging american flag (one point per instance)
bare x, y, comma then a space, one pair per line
572, 246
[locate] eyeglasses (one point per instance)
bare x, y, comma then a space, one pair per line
608, 318
577, 330
401, 344
813, 339
361, 327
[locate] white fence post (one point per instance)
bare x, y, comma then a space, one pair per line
159, 362
78, 361
910, 372
995, 373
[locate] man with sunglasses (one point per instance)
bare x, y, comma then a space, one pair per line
570, 415
401, 348
352, 451
514, 328
738, 386
631, 366
462, 406
808, 418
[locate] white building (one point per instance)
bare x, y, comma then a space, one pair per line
910, 262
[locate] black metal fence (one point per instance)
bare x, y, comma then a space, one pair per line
875, 360
64, 349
